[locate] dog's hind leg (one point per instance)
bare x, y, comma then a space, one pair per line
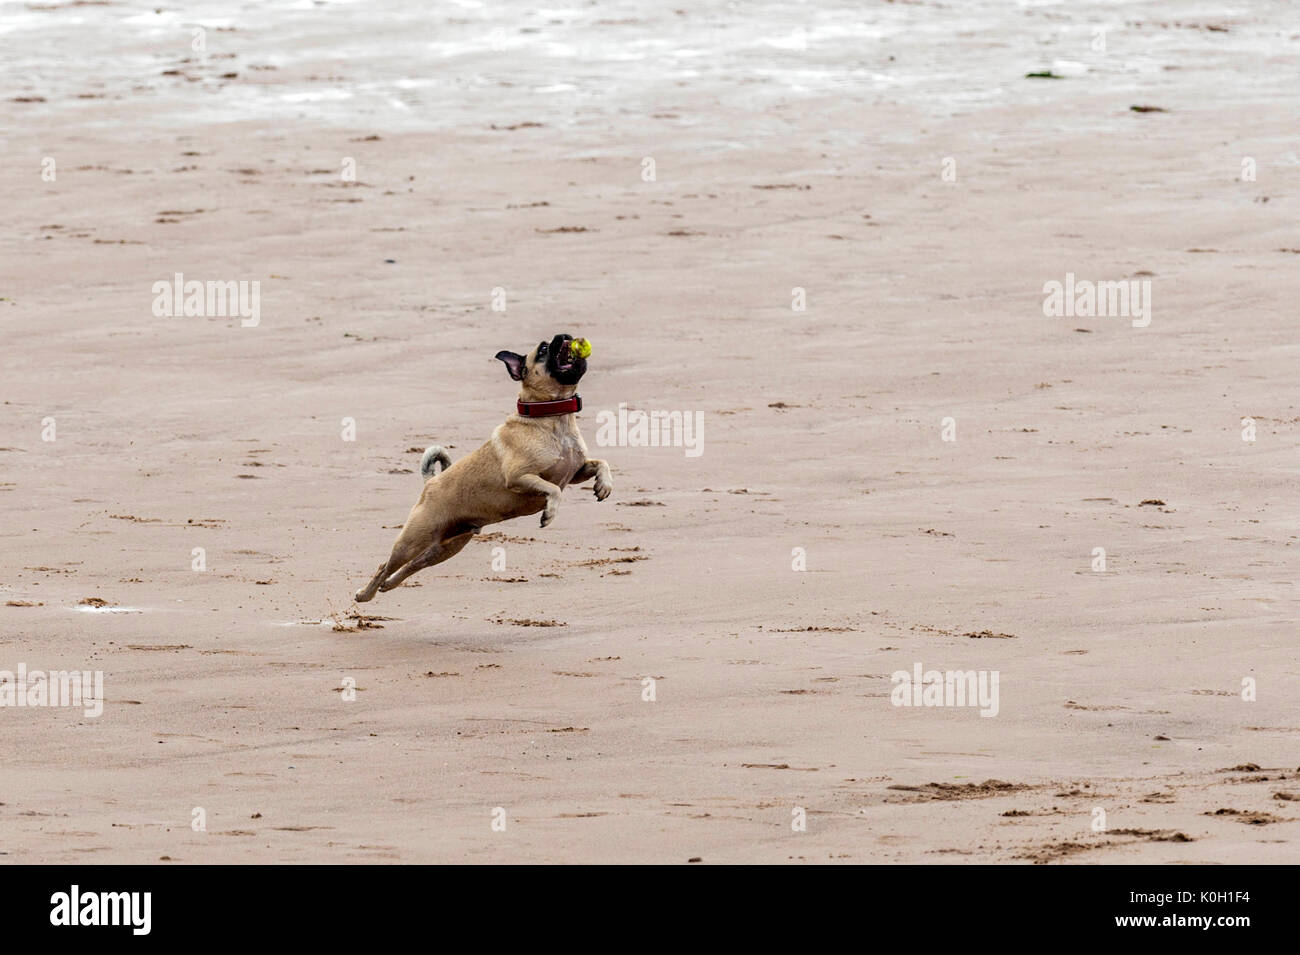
401, 553
435, 554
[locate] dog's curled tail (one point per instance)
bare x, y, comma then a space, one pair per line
435, 454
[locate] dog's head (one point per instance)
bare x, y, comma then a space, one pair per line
550, 371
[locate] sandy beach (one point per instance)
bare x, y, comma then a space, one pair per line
824, 232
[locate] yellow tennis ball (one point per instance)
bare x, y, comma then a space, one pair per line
580, 348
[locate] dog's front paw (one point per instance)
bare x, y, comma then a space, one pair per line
548, 515
603, 489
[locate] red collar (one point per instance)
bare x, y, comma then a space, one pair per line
547, 409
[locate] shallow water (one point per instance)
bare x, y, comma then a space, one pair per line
404, 64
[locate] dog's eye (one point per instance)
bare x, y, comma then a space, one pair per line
541, 349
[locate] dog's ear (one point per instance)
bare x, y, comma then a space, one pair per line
514, 364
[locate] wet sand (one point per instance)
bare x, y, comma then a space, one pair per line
792, 149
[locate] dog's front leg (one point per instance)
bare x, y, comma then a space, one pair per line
598, 469
536, 484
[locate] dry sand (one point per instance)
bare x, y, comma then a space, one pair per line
794, 146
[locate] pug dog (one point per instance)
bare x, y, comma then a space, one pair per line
531, 457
